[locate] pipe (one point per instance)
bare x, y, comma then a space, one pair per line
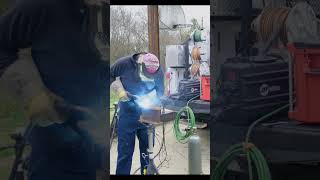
246, 12
186, 51
150, 141
290, 83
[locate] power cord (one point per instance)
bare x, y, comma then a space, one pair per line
162, 149
183, 137
254, 156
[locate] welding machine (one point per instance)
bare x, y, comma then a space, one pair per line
250, 87
188, 89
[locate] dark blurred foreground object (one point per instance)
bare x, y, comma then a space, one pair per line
61, 35
20, 166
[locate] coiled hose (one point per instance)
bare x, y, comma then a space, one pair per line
273, 19
183, 137
252, 152
253, 155
196, 53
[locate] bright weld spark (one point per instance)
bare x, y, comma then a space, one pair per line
144, 103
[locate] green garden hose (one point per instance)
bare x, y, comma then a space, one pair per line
183, 137
253, 154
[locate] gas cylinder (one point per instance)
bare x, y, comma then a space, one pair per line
194, 148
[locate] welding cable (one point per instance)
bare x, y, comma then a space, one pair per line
254, 156
162, 144
273, 20
185, 111
195, 53
180, 136
162, 148
195, 69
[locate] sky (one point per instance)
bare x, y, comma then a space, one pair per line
190, 11
198, 12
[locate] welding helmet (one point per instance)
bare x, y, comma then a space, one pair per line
150, 64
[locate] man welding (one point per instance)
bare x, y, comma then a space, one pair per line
134, 76
72, 73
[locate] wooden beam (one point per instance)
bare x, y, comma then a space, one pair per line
153, 30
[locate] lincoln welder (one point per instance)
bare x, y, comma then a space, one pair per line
136, 75
61, 36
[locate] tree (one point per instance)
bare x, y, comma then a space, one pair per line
195, 24
128, 32
185, 33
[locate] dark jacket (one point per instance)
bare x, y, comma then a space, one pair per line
127, 69
62, 48
70, 66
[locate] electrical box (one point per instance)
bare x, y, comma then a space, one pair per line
174, 76
175, 56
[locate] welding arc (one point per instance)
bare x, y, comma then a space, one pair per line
272, 20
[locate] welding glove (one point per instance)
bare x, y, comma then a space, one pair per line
42, 109
118, 88
131, 96
123, 96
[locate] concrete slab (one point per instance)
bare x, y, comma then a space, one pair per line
177, 153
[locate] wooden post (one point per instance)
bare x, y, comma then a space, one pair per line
153, 31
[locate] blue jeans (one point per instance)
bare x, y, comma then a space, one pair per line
128, 128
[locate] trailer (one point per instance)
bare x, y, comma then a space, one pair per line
290, 147
182, 88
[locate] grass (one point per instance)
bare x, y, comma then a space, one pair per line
113, 99
4, 5
12, 117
